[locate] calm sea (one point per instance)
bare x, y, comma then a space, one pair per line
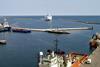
22, 49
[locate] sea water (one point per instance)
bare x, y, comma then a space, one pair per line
22, 49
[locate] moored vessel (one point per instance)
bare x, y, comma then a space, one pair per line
21, 30
59, 59
57, 32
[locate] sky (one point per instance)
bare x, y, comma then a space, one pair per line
53, 7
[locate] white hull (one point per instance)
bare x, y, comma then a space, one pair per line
48, 18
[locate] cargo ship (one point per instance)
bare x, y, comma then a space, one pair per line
21, 30
59, 59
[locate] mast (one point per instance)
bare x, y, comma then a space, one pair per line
56, 45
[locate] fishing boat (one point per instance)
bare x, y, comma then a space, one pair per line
48, 17
21, 30
59, 59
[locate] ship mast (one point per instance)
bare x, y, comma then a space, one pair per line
56, 45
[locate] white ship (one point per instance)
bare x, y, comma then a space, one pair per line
48, 17
6, 25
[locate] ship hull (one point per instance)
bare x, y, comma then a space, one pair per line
58, 32
5, 29
21, 31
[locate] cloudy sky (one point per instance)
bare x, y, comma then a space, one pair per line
54, 7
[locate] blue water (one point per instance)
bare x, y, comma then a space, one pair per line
22, 49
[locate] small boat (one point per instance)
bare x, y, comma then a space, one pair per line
57, 32
21, 30
48, 17
2, 41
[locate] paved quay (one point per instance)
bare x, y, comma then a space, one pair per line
95, 58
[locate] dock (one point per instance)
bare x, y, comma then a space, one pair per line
95, 58
54, 29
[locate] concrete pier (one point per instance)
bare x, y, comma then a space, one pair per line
54, 29
95, 59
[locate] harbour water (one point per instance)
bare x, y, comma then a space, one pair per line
22, 49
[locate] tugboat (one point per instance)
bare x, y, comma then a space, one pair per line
6, 25
48, 17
